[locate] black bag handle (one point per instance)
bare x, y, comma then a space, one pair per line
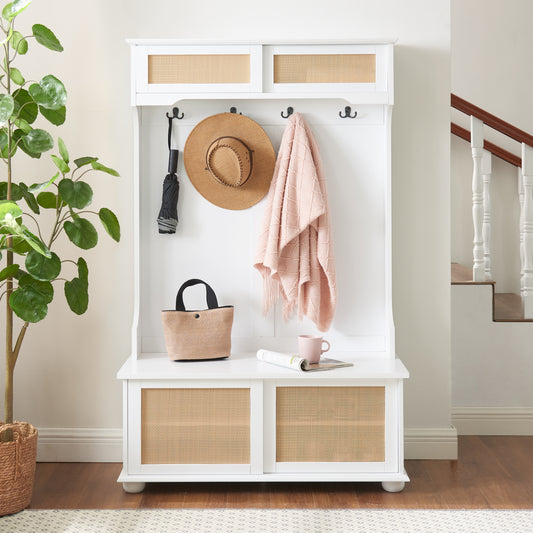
212, 302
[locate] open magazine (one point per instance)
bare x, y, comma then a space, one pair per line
298, 363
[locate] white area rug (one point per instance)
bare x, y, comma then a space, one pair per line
268, 520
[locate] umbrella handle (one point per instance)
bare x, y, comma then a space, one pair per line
173, 161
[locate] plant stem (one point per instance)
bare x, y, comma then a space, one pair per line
10, 358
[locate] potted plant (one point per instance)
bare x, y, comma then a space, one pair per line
31, 271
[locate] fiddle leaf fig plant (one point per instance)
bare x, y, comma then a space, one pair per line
35, 213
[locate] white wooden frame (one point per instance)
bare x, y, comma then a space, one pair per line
392, 406
380, 85
135, 466
141, 61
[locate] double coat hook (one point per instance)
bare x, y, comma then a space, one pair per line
348, 113
175, 114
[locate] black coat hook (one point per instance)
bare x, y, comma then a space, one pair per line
290, 111
175, 114
348, 113
233, 110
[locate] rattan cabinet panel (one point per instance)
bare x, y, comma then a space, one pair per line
330, 424
195, 426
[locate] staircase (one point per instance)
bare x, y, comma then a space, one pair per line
491, 334
506, 306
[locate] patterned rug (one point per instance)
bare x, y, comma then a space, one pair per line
268, 520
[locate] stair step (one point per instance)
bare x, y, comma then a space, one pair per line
463, 275
506, 306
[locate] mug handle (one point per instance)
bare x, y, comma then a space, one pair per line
325, 341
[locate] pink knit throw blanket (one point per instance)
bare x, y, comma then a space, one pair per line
295, 251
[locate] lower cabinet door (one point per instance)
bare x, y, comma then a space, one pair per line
332, 428
191, 429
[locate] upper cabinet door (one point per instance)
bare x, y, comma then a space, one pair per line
197, 69
333, 69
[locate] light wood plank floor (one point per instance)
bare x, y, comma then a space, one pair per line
492, 472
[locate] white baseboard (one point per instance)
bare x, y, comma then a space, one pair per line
85, 445
431, 443
493, 420
105, 445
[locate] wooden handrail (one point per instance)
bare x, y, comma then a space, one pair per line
487, 145
490, 120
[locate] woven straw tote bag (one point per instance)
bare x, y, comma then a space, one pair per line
195, 335
17, 467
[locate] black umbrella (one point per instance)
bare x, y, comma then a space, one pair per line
168, 215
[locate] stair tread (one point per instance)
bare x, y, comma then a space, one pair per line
462, 275
508, 308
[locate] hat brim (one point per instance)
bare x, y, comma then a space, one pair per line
263, 157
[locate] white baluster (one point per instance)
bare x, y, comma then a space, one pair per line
476, 142
526, 224
486, 171
521, 201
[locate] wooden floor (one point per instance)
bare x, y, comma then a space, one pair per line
492, 472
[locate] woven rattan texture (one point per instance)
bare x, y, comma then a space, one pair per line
329, 424
215, 68
17, 467
325, 68
195, 426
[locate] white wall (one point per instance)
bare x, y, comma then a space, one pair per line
66, 373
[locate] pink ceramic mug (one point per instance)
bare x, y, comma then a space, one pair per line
310, 347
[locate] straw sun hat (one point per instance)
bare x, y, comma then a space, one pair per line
230, 160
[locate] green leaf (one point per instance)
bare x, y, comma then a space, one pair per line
49, 93
60, 164
82, 161
43, 288
110, 223
21, 246
9, 211
12, 9
41, 267
30, 198
9, 214
8, 272
23, 125
16, 192
38, 187
38, 141
34, 242
7, 105
54, 116
16, 76
19, 43
83, 270
77, 295
28, 304
45, 36
47, 200
99, 166
25, 107
76, 194
82, 233
63, 152
30, 301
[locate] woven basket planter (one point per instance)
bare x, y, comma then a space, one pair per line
17, 467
